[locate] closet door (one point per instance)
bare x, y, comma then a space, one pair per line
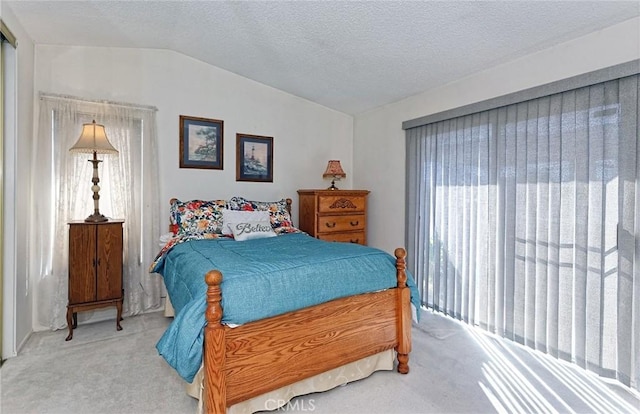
8, 171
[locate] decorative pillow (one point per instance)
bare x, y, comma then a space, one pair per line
280, 217
197, 217
249, 230
238, 203
165, 238
237, 216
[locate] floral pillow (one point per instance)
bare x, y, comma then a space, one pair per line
280, 218
197, 217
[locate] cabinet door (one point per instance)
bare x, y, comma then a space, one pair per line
82, 275
109, 263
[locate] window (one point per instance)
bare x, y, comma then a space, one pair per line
129, 191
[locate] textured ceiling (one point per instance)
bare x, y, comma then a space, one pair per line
348, 55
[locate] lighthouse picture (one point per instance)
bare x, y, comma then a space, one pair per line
254, 160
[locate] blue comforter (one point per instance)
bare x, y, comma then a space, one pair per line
261, 278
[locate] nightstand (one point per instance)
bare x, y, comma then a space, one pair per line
95, 269
334, 215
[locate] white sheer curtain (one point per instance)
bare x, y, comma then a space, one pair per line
525, 220
62, 192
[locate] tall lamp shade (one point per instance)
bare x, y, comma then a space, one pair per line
335, 172
93, 139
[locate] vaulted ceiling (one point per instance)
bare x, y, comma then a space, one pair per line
348, 55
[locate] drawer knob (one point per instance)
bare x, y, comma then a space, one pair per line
354, 223
355, 241
331, 225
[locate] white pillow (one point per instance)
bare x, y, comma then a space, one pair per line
165, 238
249, 230
236, 216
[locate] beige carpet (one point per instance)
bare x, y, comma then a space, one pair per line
454, 369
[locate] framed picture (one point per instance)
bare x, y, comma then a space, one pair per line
254, 158
201, 142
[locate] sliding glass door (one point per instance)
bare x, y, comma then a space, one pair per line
523, 220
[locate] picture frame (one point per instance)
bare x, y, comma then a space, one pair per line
254, 158
201, 143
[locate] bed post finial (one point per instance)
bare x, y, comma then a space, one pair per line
401, 254
403, 312
214, 296
215, 384
289, 202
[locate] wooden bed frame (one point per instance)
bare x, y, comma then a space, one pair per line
241, 362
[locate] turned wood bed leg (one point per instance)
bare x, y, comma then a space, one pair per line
403, 313
215, 387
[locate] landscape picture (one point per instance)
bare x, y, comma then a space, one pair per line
201, 142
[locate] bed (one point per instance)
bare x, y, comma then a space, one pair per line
354, 308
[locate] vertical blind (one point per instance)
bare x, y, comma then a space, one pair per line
524, 220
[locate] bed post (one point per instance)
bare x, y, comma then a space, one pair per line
289, 202
403, 309
215, 387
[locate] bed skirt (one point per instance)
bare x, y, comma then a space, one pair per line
383, 361
318, 383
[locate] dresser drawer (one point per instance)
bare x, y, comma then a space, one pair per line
341, 204
330, 224
355, 237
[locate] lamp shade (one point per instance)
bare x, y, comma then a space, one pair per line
93, 139
334, 169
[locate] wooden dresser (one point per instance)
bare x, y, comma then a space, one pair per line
95, 269
334, 215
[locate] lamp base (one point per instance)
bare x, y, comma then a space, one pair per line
333, 185
96, 218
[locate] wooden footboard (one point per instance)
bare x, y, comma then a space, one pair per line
240, 363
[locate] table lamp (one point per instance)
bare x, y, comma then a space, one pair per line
335, 171
93, 139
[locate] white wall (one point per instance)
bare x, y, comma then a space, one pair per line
380, 141
305, 134
18, 297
